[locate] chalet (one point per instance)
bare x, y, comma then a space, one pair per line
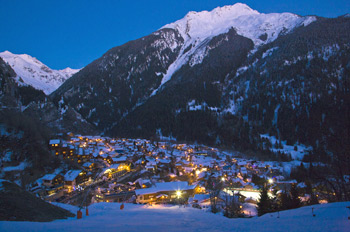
116, 170
164, 161
89, 166
73, 178
200, 153
83, 155
151, 166
50, 180
179, 166
96, 155
55, 146
143, 183
54, 143
201, 200
119, 160
244, 171
165, 192
119, 150
114, 197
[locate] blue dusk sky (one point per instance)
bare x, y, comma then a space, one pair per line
73, 33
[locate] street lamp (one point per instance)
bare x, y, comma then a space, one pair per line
270, 181
178, 193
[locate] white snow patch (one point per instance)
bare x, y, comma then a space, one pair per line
269, 52
288, 149
19, 167
275, 117
193, 107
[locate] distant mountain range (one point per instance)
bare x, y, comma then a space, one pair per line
223, 77
21, 99
31, 71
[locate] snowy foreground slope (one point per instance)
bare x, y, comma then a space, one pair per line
33, 72
108, 217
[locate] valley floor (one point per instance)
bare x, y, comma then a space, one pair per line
109, 217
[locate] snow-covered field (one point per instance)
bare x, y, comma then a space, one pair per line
109, 217
288, 149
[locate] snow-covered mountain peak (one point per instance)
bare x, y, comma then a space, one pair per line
235, 10
238, 9
68, 72
33, 72
206, 23
198, 28
247, 22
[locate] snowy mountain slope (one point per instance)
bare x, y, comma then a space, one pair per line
36, 74
245, 73
123, 78
198, 28
109, 217
68, 72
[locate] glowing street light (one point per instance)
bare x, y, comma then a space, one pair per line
270, 181
178, 193
223, 179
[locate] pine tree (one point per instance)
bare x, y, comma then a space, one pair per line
264, 205
285, 201
294, 193
313, 199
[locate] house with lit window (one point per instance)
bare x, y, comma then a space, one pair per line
89, 166
54, 143
165, 192
73, 178
50, 180
120, 160
55, 146
116, 170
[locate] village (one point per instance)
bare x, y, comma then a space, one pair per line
156, 172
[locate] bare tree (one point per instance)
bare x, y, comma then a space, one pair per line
214, 186
232, 206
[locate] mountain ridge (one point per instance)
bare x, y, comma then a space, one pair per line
31, 71
166, 81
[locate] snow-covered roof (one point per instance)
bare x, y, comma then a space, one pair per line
54, 141
164, 161
87, 164
120, 149
49, 177
113, 166
71, 175
201, 197
166, 186
120, 159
